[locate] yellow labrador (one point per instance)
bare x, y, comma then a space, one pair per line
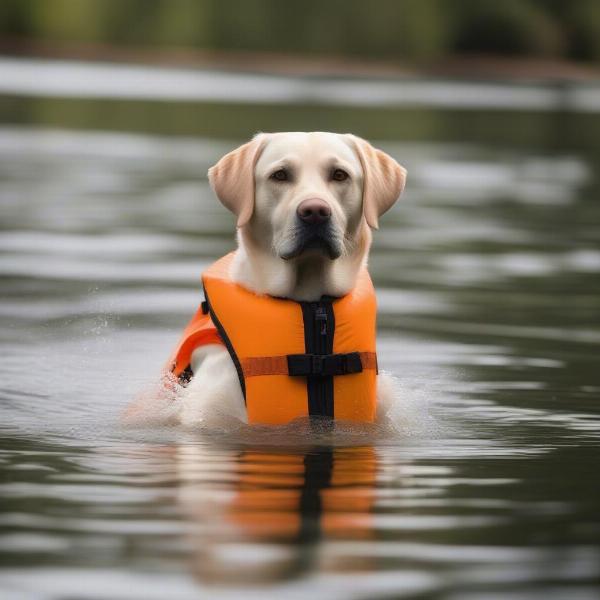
305, 204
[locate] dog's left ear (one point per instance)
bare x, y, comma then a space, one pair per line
232, 178
383, 180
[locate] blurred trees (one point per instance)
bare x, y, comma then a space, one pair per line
393, 29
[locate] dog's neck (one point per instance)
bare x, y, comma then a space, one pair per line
304, 279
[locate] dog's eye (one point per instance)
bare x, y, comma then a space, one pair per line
339, 175
280, 175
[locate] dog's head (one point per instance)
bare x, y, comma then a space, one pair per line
307, 194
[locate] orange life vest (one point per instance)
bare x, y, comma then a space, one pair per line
293, 359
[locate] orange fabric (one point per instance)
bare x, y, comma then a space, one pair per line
200, 331
263, 330
264, 365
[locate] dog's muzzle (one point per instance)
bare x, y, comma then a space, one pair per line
313, 231
319, 237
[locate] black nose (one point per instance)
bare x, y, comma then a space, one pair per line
314, 211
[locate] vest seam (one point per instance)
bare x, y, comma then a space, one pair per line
228, 344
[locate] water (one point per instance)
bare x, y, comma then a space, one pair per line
483, 486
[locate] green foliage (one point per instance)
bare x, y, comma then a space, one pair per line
506, 27
582, 19
394, 29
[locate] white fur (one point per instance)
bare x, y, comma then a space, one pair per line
214, 392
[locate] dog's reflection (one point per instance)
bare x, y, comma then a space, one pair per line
261, 515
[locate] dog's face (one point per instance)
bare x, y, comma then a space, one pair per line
307, 194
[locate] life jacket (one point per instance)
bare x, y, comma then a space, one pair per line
293, 359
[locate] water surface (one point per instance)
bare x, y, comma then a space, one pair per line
484, 487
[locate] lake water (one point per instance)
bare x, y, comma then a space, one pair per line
485, 484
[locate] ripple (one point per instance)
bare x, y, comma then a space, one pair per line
481, 481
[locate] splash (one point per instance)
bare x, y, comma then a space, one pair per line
404, 415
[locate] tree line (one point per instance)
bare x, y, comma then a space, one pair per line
406, 30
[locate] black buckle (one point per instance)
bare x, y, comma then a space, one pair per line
324, 365
317, 364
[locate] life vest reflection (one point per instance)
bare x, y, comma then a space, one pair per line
269, 522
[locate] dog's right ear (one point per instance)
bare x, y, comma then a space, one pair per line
232, 178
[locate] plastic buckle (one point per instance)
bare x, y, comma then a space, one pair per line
317, 364
324, 365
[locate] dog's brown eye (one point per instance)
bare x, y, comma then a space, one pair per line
339, 175
280, 175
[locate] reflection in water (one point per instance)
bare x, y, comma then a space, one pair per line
279, 506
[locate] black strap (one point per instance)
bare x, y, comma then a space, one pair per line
324, 365
319, 328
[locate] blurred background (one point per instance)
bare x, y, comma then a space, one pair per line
309, 45
483, 484
394, 30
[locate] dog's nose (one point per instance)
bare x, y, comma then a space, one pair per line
314, 211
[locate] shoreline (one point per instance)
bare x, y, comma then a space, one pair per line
471, 67
77, 79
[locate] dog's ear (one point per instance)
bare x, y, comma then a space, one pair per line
383, 180
232, 178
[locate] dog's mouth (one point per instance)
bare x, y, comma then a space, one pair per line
313, 240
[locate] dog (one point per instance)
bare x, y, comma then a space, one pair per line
306, 205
